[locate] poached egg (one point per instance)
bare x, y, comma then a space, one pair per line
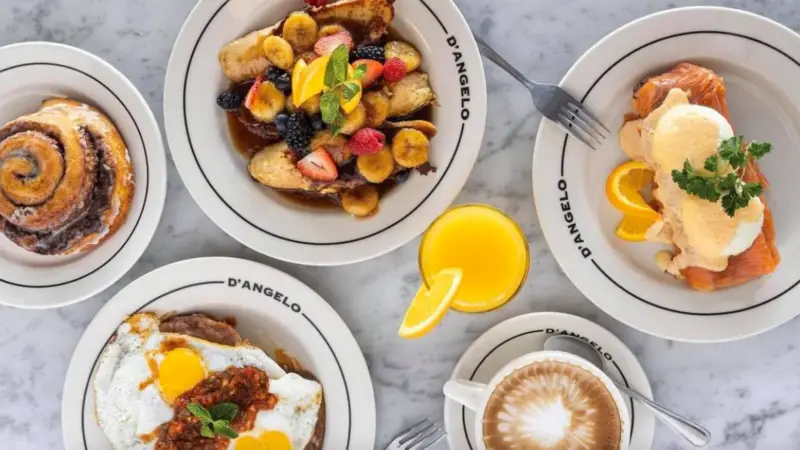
672, 134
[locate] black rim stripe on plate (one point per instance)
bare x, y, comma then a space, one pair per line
188, 286
564, 152
240, 215
146, 186
485, 357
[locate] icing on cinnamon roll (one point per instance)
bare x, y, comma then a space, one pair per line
66, 180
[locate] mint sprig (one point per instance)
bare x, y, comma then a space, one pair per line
730, 187
216, 422
339, 87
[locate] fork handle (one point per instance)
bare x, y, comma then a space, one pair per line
495, 57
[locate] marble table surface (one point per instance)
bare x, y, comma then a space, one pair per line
747, 393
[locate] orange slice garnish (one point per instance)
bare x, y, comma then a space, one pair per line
633, 229
623, 186
430, 304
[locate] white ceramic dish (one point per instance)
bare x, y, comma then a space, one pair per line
216, 175
521, 335
272, 310
760, 62
35, 71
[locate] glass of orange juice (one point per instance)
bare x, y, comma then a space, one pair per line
487, 245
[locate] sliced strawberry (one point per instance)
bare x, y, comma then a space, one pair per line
319, 166
252, 94
326, 45
373, 73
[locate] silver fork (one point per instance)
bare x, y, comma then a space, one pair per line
555, 103
420, 436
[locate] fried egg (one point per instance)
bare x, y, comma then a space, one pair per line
290, 425
142, 371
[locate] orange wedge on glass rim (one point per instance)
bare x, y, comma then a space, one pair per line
430, 304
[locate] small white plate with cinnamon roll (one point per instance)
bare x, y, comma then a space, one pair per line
82, 175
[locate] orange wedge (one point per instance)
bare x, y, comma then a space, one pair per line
311, 81
297, 79
623, 186
430, 304
633, 229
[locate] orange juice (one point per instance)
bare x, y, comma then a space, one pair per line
487, 245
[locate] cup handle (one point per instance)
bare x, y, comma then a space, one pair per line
468, 393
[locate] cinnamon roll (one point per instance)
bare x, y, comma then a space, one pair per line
66, 179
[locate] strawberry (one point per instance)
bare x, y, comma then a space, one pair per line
252, 94
319, 166
326, 45
317, 2
394, 70
373, 73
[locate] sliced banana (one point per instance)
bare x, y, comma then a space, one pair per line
427, 128
410, 148
378, 106
300, 30
279, 52
361, 201
355, 120
268, 103
377, 167
330, 30
336, 146
404, 51
312, 105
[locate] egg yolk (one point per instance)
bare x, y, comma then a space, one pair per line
179, 372
270, 440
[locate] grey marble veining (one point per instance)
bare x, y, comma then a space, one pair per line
747, 393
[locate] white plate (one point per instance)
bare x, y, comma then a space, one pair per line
216, 175
527, 333
272, 310
760, 61
35, 71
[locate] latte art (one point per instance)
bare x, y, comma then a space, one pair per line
551, 406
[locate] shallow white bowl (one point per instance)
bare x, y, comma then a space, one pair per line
216, 175
36, 71
760, 62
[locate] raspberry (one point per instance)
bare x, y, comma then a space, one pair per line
394, 70
366, 141
317, 2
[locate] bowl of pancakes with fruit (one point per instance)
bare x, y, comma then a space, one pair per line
328, 132
678, 225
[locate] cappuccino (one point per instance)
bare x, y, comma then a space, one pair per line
551, 405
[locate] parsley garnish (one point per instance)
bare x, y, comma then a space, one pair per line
339, 87
730, 187
216, 422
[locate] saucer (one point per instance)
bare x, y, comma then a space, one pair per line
523, 334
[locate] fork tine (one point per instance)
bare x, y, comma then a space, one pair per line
574, 131
435, 441
578, 106
585, 125
421, 444
417, 434
407, 431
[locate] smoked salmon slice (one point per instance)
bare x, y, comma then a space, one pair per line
704, 87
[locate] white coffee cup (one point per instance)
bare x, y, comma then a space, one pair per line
475, 396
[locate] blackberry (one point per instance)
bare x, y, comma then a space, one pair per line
368, 52
282, 80
298, 131
281, 122
317, 124
230, 100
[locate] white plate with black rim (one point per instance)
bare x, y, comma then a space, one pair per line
35, 71
264, 220
527, 333
272, 311
760, 62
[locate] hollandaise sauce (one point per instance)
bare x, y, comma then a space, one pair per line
704, 234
